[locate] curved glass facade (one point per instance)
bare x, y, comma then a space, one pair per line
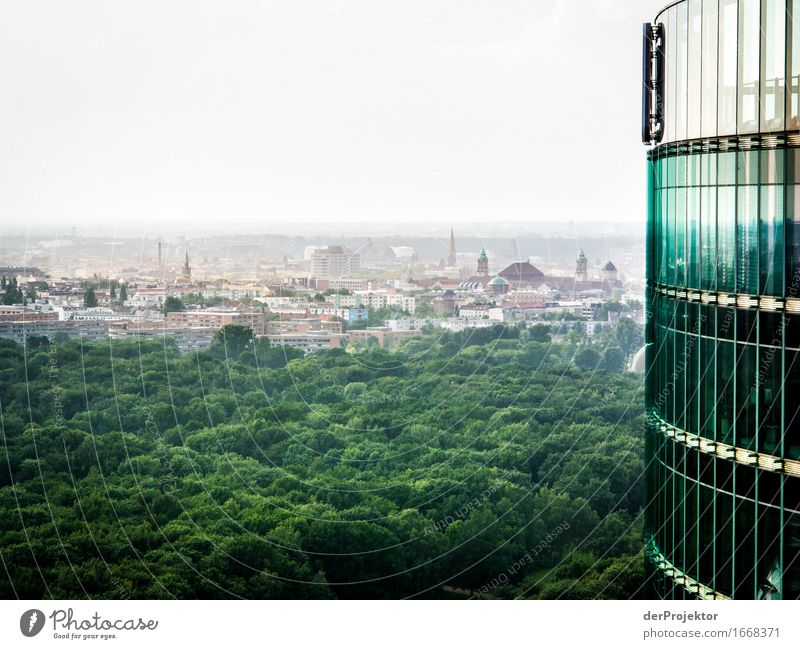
732, 68
723, 294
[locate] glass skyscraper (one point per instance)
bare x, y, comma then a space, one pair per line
721, 111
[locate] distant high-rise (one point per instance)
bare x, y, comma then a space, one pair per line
451, 258
187, 269
160, 267
334, 261
721, 110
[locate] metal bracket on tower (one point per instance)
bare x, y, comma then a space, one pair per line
652, 83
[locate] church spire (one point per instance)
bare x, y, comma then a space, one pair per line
451, 259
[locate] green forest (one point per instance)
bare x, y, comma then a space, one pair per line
488, 463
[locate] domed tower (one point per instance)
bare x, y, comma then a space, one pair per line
610, 272
499, 286
483, 264
581, 269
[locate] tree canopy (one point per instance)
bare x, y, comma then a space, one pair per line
484, 461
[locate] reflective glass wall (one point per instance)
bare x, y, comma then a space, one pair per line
723, 297
732, 67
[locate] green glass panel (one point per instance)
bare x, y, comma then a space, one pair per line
693, 254
726, 168
726, 238
770, 385
791, 405
652, 198
668, 236
680, 237
746, 396
726, 402
708, 389
708, 235
724, 540
680, 170
772, 163
792, 235
771, 244
693, 170
747, 254
745, 525
747, 167
708, 169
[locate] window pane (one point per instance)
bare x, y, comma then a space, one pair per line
708, 227
726, 168
709, 103
725, 541
726, 239
664, 237
670, 68
680, 237
693, 170
773, 64
727, 67
680, 171
749, 33
745, 542
652, 200
694, 61
746, 395
770, 383
793, 239
726, 369
772, 166
791, 406
708, 169
669, 237
679, 419
681, 72
747, 240
692, 422
793, 63
747, 167
693, 237
707, 531
708, 388
771, 244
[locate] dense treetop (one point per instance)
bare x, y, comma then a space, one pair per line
485, 461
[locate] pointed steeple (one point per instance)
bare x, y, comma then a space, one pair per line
451, 258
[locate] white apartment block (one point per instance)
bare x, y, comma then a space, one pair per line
334, 261
375, 300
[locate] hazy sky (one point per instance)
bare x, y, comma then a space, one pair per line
277, 111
